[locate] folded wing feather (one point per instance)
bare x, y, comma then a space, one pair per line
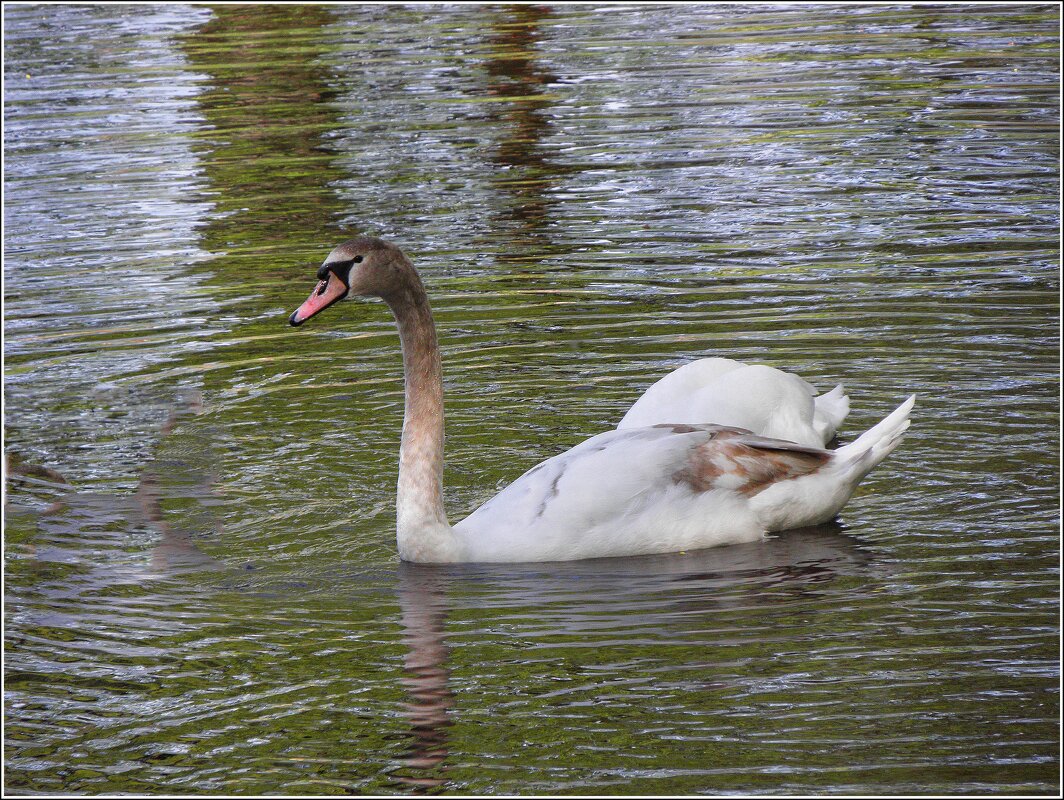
746, 463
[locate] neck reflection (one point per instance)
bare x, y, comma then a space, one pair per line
424, 606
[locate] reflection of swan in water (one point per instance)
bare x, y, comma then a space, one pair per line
95, 530
776, 570
629, 598
423, 605
176, 550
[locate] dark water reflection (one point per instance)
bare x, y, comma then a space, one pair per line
269, 112
519, 84
212, 603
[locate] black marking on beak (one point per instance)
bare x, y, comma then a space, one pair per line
341, 269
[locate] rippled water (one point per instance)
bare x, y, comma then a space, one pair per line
866, 195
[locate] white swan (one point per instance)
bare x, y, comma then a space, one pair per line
761, 399
656, 489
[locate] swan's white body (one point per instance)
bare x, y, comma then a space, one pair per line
669, 487
642, 489
761, 399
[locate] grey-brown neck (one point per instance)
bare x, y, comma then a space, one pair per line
422, 529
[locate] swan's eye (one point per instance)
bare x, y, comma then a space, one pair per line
357, 259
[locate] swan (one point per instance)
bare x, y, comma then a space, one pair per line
666, 487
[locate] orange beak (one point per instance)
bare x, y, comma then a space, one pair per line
324, 295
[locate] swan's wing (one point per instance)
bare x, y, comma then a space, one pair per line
670, 398
759, 398
747, 464
625, 491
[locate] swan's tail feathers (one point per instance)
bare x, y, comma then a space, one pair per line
860, 456
831, 409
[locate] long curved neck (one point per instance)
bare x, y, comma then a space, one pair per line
422, 529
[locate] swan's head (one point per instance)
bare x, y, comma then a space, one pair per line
360, 267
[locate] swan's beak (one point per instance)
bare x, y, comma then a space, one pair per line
324, 295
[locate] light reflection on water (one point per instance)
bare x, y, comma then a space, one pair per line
862, 195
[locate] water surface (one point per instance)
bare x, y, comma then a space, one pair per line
212, 604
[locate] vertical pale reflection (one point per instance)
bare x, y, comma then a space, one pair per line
424, 606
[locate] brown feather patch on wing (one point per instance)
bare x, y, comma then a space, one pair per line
747, 463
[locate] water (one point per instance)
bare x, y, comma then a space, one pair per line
866, 195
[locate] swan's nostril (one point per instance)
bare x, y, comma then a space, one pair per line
321, 287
